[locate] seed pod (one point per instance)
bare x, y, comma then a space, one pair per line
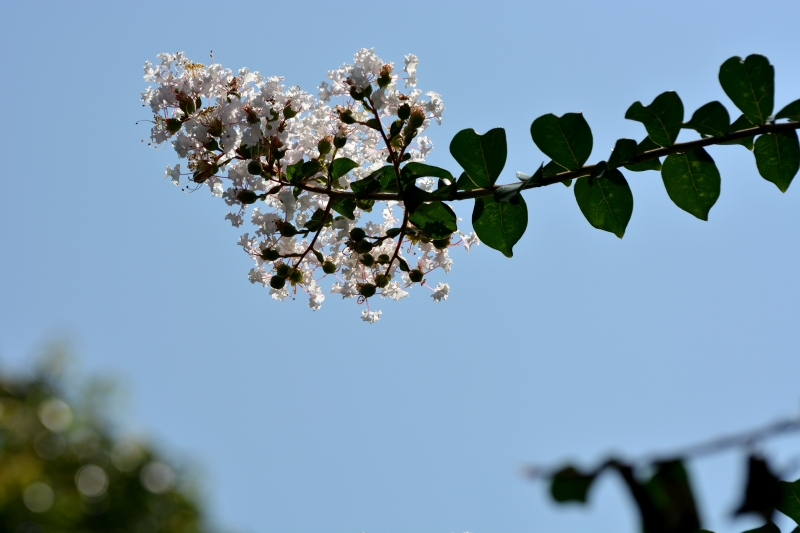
357, 234
416, 275
384, 258
270, 254
417, 117
367, 290
367, 260
282, 270
363, 246
295, 276
339, 141
381, 280
324, 146
328, 267
403, 112
392, 232
288, 230
441, 244
277, 282
255, 168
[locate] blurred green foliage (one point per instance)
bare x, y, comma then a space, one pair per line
64, 469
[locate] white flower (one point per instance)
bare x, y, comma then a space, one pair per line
370, 316
440, 292
411, 63
173, 173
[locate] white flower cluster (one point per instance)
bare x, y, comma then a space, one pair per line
293, 158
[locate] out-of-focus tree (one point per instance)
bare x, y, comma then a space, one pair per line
63, 468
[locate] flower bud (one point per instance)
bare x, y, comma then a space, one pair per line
417, 117
288, 112
416, 275
367, 290
363, 246
270, 254
339, 141
255, 168
282, 270
247, 197
385, 76
288, 230
295, 276
384, 258
381, 280
403, 112
356, 93
367, 260
324, 145
277, 282
328, 267
173, 125
357, 234
346, 116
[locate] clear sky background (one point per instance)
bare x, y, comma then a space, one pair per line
581, 345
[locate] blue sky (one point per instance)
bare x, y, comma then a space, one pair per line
581, 345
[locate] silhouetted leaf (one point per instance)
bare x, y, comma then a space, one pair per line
692, 181
571, 485
789, 499
762, 490
606, 202
500, 225
415, 170
510, 192
791, 111
646, 145
481, 156
750, 84
342, 166
381, 180
552, 168
740, 124
436, 219
344, 206
711, 120
567, 140
662, 118
671, 493
778, 157
624, 150
769, 527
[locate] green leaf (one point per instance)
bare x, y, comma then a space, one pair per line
571, 485
344, 206
662, 119
481, 156
606, 202
762, 490
552, 168
412, 171
310, 168
692, 181
778, 157
789, 500
624, 150
710, 120
500, 225
435, 219
769, 527
750, 84
342, 166
671, 496
791, 111
382, 180
646, 145
294, 172
741, 123
567, 140
318, 220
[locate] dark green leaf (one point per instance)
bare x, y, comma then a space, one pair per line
344, 206
294, 172
624, 150
670, 492
500, 225
382, 180
750, 84
436, 219
566, 139
662, 119
552, 168
791, 111
740, 124
413, 196
571, 485
481, 156
769, 527
646, 145
606, 202
692, 181
778, 157
342, 166
510, 193
762, 490
420, 170
310, 168
711, 120
789, 500
317, 220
